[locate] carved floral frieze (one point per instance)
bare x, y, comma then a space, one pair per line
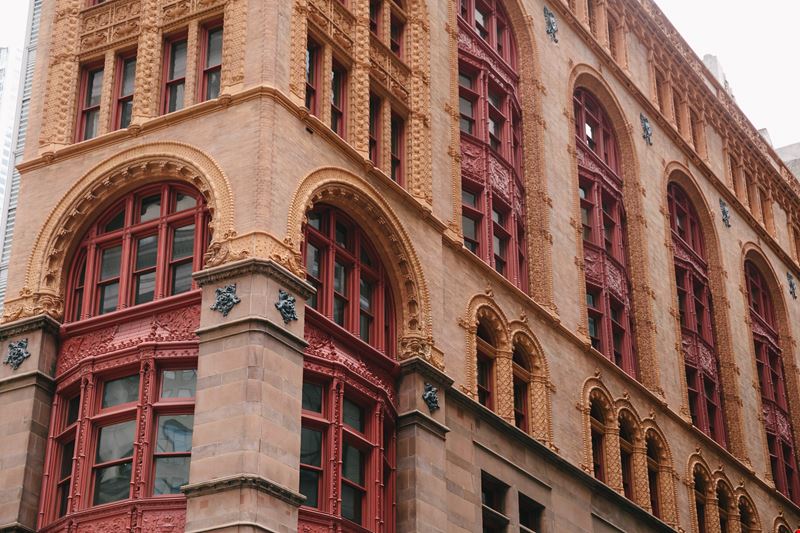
109, 23
335, 20
174, 10
389, 70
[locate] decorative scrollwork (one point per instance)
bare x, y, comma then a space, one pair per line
225, 299
17, 353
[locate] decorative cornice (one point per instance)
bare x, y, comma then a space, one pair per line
26, 379
418, 365
15, 527
252, 323
19, 327
244, 481
265, 267
418, 418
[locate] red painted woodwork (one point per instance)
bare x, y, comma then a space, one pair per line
91, 88
211, 61
142, 342
349, 375
313, 58
352, 286
598, 433
339, 82
174, 73
522, 384
124, 79
143, 248
493, 198
608, 292
769, 363
695, 306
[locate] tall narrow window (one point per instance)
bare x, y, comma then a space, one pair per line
701, 490
397, 28
604, 242
490, 120
127, 265
338, 98
397, 148
626, 439
212, 63
91, 89
375, 104
352, 286
522, 379
174, 75
126, 74
769, 363
493, 504
597, 428
312, 75
654, 449
696, 319
724, 503
485, 367
748, 521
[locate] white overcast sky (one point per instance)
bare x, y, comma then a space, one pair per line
758, 44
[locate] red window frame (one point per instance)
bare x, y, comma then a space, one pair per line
174, 79
522, 384
89, 103
398, 148
700, 500
724, 502
313, 59
491, 131
598, 438
375, 127
79, 416
696, 317
120, 227
211, 72
340, 261
375, 16
771, 376
603, 220
338, 104
626, 439
123, 91
653, 476
485, 367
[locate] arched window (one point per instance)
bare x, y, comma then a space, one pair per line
487, 352
522, 382
349, 406
352, 289
597, 420
701, 491
627, 436
769, 362
603, 217
748, 522
493, 204
725, 503
655, 452
122, 415
143, 249
701, 362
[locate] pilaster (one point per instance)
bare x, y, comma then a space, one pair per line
244, 472
26, 393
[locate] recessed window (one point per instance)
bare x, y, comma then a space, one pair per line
338, 96
173, 448
175, 75
126, 77
212, 63
113, 462
91, 90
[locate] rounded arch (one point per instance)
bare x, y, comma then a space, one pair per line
482, 309
596, 395
586, 77
678, 174
541, 387
367, 207
748, 512
701, 483
781, 525
43, 291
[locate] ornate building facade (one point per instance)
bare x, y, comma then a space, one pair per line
394, 265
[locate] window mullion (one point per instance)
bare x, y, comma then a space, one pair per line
82, 469
163, 262
126, 270
90, 291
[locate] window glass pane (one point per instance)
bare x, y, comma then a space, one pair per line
214, 50
112, 483
126, 112
67, 452
109, 296
178, 383
146, 252
312, 397
128, 76
351, 503
342, 235
72, 409
339, 308
184, 201
469, 198
309, 487
92, 123
311, 447
181, 278
115, 441
174, 433
110, 262
183, 242
94, 88
120, 391
353, 464
312, 260
465, 106
145, 287
177, 63
150, 208
353, 415
364, 327
339, 278
366, 295
212, 84
171, 474
470, 228
315, 221
175, 98
465, 80
115, 223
